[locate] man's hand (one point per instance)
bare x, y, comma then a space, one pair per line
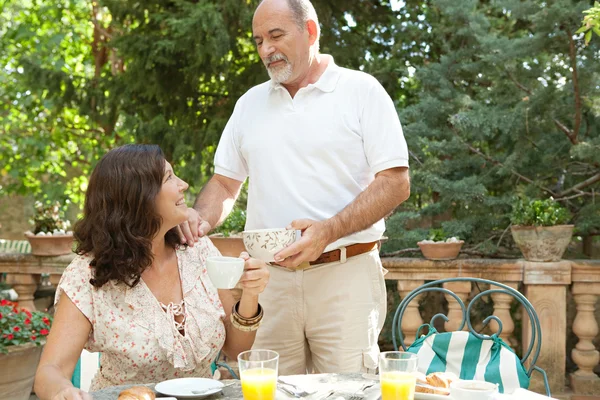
316, 235
195, 227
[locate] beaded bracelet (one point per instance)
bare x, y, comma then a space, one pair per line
245, 324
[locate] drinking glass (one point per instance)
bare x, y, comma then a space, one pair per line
397, 375
258, 373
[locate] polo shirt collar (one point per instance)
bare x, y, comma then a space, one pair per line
326, 82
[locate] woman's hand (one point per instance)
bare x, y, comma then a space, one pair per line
72, 393
255, 276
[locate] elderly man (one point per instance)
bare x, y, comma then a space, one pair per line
324, 152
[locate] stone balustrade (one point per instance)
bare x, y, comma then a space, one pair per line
546, 285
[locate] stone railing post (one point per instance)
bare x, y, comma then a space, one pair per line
502, 303
24, 272
25, 285
585, 290
455, 313
546, 286
411, 320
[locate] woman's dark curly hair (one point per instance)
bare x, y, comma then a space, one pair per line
119, 216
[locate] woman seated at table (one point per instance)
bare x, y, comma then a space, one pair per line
134, 294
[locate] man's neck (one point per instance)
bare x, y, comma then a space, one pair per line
317, 67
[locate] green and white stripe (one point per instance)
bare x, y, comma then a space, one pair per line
14, 246
468, 357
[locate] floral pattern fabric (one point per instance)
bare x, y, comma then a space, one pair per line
138, 341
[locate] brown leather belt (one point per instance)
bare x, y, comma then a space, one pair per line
351, 251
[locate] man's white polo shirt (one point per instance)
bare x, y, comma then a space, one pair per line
310, 156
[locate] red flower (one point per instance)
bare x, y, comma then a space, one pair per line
4, 302
27, 321
33, 337
44, 332
10, 336
46, 321
26, 312
16, 329
0, 315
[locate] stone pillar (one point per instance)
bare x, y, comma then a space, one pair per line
411, 320
502, 304
546, 286
25, 285
455, 313
584, 381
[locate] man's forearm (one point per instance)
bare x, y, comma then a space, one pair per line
216, 200
389, 189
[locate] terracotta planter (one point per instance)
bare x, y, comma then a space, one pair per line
441, 250
228, 246
18, 371
542, 243
50, 245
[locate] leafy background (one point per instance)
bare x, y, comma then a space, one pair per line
497, 99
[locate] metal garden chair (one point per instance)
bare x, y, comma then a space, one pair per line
475, 338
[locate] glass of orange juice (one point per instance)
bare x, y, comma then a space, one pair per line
258, 372
396, 374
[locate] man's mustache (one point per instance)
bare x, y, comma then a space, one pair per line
275, 57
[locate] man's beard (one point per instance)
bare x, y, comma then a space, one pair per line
280, 73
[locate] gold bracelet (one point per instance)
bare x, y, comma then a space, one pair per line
243, 328
243, 320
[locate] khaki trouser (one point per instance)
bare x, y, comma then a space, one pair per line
326, 318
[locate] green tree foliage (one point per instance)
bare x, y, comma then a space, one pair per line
496, 98
85, 76
508, 105
591, 22
49, 132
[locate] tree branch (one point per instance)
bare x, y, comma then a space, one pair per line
574, 196
400, 252
570, 134
573, 57
579, 186
519, 85
496, 162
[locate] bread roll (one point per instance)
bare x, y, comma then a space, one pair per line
137, 393
433, 381
422, 380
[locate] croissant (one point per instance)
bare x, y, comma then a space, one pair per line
137, 393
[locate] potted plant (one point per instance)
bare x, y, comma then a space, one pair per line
439, 246
50, 236
227, 237
22, 335
539, 229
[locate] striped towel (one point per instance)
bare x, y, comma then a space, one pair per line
14, 246
85, 370
468, 357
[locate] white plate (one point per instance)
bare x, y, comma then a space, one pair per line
430, 396
182, 387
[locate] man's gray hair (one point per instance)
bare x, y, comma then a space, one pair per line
302, 11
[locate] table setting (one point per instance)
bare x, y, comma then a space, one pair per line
398, 378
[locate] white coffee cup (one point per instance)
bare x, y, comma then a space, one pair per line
224, 272
473, 390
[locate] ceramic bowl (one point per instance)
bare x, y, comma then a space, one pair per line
265, 243
473, 390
